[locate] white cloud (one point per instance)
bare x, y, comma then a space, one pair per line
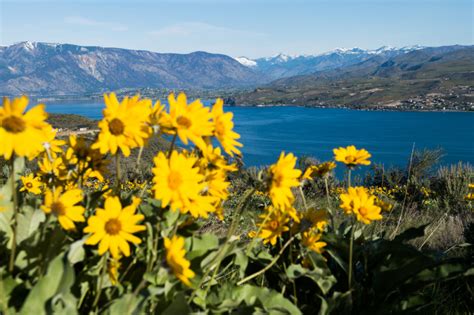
83, 21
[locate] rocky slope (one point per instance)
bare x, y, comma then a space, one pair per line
57, 69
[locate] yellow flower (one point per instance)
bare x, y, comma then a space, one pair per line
220, 211
217, 184
287, 210
315, 219
52, 144
274, 227
176, 180
64, 206
22, 134
214, 159
112, 270
319, 170
252, 234
469, 197
89, 162
124, 126
360, 203
156, 113
284, 176
176, 260
311, 239
385, 206
114, 227
55, 167
351, 156
31, 184
201, 206
223, 129
471, 186
189, 122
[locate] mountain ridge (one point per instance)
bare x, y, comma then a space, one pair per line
44, 68
434, 78
54, 69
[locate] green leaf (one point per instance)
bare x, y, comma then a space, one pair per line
127, 304
178, 306
295, 271
242, 261
6, 287
64, 302
324, 309
5, 226
202, 244
19, 165
338, 259
321, 274
59, 277
272, 301
411, 233
28, 222
76, 252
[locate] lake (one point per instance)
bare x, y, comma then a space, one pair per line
388, 136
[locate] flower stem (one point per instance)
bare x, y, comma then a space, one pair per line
252, 243
222, 251
118, 171
349, 171
329, 202
99, 282
351, 249
137, 167
261, 271
172, 145
11, 264
303, 198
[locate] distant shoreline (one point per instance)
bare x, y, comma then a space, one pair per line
99, 99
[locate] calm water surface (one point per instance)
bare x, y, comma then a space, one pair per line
389, 136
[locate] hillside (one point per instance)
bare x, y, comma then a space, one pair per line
430, 78
284, 66
58, 69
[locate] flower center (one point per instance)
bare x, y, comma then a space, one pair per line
13, 124
184, 122
274, 225
363, 211
116, 127
58, 208
113, 227
82, 152
220, 128
278, 179
350, 159
29, 185
174, 180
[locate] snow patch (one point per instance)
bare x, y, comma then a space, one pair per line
246, 61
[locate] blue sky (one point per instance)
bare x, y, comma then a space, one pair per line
251, 28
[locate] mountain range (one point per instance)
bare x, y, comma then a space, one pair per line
58, 69
282, 65
37, 68
431, 78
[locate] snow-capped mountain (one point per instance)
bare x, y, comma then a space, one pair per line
52, 69
283, 65
246, 61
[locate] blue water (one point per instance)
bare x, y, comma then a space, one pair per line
388, 136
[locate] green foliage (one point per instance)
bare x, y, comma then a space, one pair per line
55, 272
